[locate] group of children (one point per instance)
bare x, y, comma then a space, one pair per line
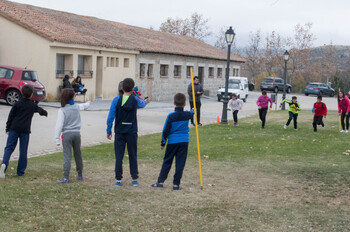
123, 113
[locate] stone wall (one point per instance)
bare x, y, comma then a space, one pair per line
163, 88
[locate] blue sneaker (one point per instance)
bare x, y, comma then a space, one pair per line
63, 181
118, 183
176, 187
80, 178
134, 183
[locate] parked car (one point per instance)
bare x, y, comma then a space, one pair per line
236, 85
319, 89
274, 84
251, 86
13, 79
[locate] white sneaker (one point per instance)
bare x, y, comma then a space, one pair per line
342, 131
346, 131
2, 171
285, 126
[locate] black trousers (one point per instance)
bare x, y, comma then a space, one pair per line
235, 118
347, 117
120, 141
318, 120
262, 116
179, 151
294, 117
198, 107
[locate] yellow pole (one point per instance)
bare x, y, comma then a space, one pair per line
339, 115
197, 136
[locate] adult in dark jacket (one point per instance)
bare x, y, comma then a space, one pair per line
66, 83
198, 89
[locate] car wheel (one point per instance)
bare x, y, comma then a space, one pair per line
332, 94
276, 90
13, 96
288, 90
306, 94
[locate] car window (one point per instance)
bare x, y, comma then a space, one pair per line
278, 81
6, 73
267, 80
29, 76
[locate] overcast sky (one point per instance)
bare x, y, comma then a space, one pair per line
331, 19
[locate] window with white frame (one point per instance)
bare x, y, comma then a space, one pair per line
177, 71
211, 72
164, 69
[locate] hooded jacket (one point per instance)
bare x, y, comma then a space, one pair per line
344, 105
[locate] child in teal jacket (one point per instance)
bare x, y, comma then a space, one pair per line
294, 108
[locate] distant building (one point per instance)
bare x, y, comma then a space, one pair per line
103, 52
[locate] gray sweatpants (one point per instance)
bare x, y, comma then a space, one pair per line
72, 140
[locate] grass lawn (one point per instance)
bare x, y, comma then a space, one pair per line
254, 180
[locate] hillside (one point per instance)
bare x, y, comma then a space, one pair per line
341, 55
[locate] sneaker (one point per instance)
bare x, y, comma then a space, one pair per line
2, 171
134, 183
157, 185
176, 187
118, 183
295, 129
342, 131
236, 124
80, 178
285, 126
63, 181
200, 124
193, 124
346, 131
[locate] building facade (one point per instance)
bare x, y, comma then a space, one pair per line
161, 76
103, 53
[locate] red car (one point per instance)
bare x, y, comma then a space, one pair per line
11, 82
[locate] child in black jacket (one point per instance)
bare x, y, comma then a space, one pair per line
18, 127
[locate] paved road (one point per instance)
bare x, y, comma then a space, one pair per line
150, 120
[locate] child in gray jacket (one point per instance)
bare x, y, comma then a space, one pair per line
68, 124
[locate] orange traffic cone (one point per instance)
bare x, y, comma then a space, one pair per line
217, 120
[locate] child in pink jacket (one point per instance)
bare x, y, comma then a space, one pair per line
343, 110
263, 104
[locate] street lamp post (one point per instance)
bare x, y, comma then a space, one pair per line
229, 36
286, 58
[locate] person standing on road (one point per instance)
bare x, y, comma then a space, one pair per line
263, 104
198, 89
343, 110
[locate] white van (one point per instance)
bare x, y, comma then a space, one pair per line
237, 85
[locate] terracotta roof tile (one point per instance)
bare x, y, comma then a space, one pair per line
76, 29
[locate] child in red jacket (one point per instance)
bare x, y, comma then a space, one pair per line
343, 110
320, 110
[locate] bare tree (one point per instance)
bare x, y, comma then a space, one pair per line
221, 41
253, 54
196, 26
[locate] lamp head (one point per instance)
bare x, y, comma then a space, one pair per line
229, 36
286, 56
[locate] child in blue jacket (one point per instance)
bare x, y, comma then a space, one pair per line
176, 133
123, 111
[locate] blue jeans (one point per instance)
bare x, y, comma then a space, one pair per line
23, 149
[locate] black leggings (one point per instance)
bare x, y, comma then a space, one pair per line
235, 118
343, 116
292, 116
262, 116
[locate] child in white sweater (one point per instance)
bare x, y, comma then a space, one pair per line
235, 105
68, 124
